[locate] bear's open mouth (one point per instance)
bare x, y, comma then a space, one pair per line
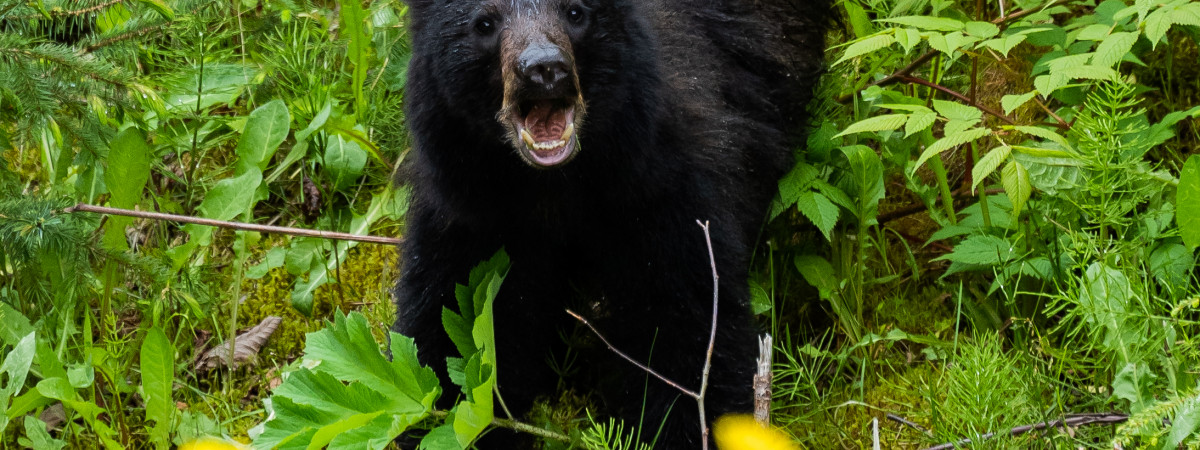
545, 130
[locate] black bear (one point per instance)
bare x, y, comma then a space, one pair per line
587, 137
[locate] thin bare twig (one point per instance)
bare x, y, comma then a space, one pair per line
648, 370
82, 207
1072, 420
712, 337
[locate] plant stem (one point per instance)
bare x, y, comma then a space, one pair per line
939, 172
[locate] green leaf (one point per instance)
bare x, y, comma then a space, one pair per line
1046, 134
907, 38
927, 23
1047, 84
15, 368
1185, 424
265, 129
1113, 48
1088, 72
158, 375
957, 111
865, 46
982, 30
950, 142
860, 22
36, 435
817, 272
823, 213
347, 350
918, 122
877, 123
1016, 184
126, 176
231, 197
865, 182
1011, 102
1187, 202
981, 249
160, 7
1005, 44
988, 164
1156, 26
344, 160
797, 181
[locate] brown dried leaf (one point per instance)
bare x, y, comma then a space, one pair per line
247, 346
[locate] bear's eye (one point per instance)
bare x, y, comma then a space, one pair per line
576, 15
484, 26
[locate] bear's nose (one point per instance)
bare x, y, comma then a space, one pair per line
543, 65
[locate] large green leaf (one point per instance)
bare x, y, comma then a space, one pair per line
15, 368
347, 350
265, 129
344, 160
126, 176
354, 396
158, 376
1187, 202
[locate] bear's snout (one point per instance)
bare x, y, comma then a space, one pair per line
544, 66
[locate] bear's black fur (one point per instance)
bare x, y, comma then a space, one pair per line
587, 137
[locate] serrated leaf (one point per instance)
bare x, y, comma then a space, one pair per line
957, 111
1068, 61
908, 38
1016, 184
796, 182
877, 123
865, 46
981, 249
927, 23
981, 30
1047, 84
1011, 102
1187, 202
157, 359
1005, 44
1185, 424
1088, 72
818, 209
1094, 32
1156, 26
1113, 48
918, 122
988, 164
347, 350
1046, 134
950, 142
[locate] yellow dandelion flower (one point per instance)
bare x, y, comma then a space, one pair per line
741, 432
212, 443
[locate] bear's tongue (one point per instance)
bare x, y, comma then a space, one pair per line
545, 122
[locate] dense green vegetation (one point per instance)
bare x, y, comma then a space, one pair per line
994, 224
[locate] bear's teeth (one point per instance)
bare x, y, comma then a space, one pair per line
528, 138
549, 145
570, 131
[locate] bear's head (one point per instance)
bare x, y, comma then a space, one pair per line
536, 68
